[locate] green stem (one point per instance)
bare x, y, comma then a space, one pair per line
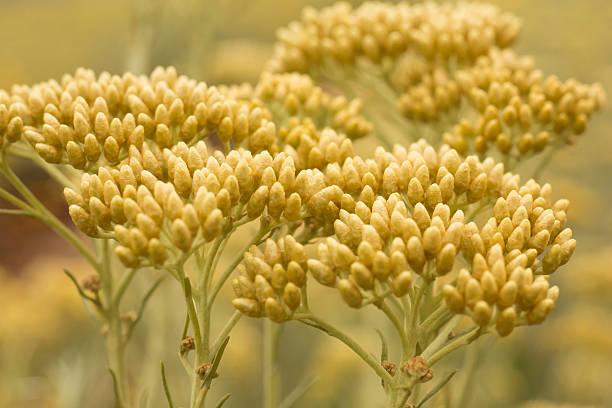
414, 319
6, 211
229, 326
331, 330
453, 345
41, 212
397, 324
10, 198
126, 279
116, 355
115, 344
270, 372
441, 337
469, 367
544, 163
435, 319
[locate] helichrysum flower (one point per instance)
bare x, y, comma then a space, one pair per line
88, 121
447, 70
299, 97
521, 111
269, 282
377, 30
190, 193
397, 218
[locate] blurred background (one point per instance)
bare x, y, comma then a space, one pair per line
51, 353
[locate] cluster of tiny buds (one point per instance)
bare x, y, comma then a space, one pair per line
520, 111
435, 93
513, 255
269, 282
298, 95
399, 218
447, 60
11, 123
314, 149
190, 194
87, 121
377, 30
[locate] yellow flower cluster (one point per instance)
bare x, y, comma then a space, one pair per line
190, 196
381, 223
377, 30
270, 281
304, 114
447, 70
88, 121
11, 123
301, 98
520, 111
398, 217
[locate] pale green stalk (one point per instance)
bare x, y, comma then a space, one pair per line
270, 373
331, 330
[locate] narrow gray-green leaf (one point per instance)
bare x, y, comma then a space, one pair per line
165, 384
223, 400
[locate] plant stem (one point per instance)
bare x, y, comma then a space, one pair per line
229, 326
469, 367
397, 324
414, 319
41, 212
270, 372
115, 348
544, 163
115, 344
454, 344
346, 339
126, 279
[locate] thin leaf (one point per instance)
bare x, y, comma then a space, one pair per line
223, 400
215, 363
384, 349
166, 389
143, 305
298, 392
436, 389
79, 288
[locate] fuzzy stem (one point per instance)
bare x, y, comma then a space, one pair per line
115, 349
331, 330
229, 326
469, 367
543, 164
41, 213
397, 324
453, 345
270, 372
115, 344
